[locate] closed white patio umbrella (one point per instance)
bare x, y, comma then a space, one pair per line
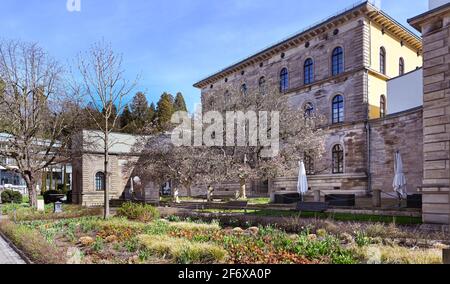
302, 185
399, 183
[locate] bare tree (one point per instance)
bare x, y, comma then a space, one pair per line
186, 166
36, 115
104, 83
210, 164
299, 134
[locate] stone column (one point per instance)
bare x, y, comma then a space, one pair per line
376, 198
316, 195
435, 29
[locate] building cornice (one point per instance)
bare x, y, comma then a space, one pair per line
363, 9
438, 12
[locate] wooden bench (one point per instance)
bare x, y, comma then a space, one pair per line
312, 207
231, 205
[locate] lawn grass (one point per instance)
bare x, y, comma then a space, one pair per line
345, 217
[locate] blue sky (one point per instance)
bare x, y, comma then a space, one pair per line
172, 44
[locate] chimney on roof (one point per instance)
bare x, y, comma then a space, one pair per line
433, 4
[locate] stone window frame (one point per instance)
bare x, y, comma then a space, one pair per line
262, 85
401, 66
283, 90
383, 60
331, 58
383, 106
342, 165
305, 105
332, 109
95, 180
312, 76
227, 97
244, 89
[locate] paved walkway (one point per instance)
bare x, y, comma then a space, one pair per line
8, 255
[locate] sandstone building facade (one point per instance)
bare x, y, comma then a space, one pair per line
343, 69
340, 68
435, 28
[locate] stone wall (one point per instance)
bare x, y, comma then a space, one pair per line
435, 28
399, 132
350, 83
85, 169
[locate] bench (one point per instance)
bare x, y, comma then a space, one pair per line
312, 207
237, 205
341, 200
286, 198
231, 205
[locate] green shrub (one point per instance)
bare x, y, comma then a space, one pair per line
10, 196
138, 212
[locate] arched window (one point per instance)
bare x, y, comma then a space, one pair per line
284, 80
382, 106
309, 164
338, 159
244, 89
383, 60
100, 181
227, 98
309, 110
309, 71
401, 66
338, 109
337, 62
262, 86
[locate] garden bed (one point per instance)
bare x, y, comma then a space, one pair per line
140, 237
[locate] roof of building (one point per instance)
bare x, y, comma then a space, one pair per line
417, 20
362, 7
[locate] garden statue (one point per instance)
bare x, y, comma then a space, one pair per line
176, 196
209, 194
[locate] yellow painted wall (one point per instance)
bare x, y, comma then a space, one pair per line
394, 51
377, 87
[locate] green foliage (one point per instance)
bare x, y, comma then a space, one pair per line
139, 108
182, 251
126, 120
165, 111
10, 196
98, 245
33, 243
361, 239
328, 247
179, 104
138, 212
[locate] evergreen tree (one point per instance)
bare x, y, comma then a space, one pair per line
126, 120
151, 113
165, 111
139, 108
179, 104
